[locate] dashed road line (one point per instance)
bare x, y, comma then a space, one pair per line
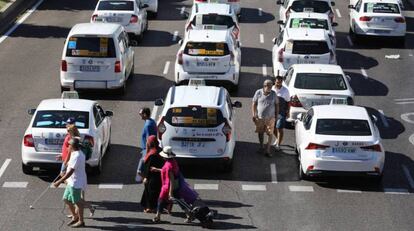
264, 70
273, 173
4, 166
408, 176
403, 191
404, 101
348, 191
260, 12
14, 184
383, 119
406, 117
297, 188
166, 67
349, 40
110, 186
206, 186
261, 38
338, 13
251, 187
411, 139
364, 73
182, 10
175, 35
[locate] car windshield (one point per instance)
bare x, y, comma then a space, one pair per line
313, 23
320, 81
194, 116
116, 5
97, 47
310, 47
206, 49
214, 19
378, 7
310, 6
57, 119
343, 127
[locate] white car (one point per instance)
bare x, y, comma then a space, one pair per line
306, 6
312, 21
301, 46
316, 84
44, 136
338, 139
235, 4
213, 55
198, 122
377, 18
131, 14
213, 16
152, 6
96, 56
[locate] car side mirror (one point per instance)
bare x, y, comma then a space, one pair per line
109, 113
348, 78
299, 116
180, 42
144, 6
334, 24
31, 111
274, 40
185, 15
280, 22
351, 7
159, 102
238, 44
279, 2
237, 104
374, 118
332, 3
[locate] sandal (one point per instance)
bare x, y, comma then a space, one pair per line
91, 211
69, 216
78, 225
156, 219
73, 221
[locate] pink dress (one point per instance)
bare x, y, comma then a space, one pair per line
170, 165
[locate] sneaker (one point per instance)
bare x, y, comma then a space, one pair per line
277, 147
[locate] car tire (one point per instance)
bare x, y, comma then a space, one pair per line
131, 73
227, 166
401, 42
377, 179
28, 170
153, 15
302, 175
62, 89
122, 90
233, 88
96, 170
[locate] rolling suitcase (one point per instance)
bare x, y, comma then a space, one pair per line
197, 211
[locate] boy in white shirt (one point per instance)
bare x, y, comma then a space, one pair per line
284, 97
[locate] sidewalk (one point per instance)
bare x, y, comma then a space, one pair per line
10, 12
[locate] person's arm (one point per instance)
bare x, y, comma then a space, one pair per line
171, 178
254, 111
66, 176
276, 106
288, 104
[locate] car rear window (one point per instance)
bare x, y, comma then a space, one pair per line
213, 19
310, 47
116, 5
377, 7
57, 119
206, 49
320, 81
343, 127
310, 6
194, 116
97, 47
313, 23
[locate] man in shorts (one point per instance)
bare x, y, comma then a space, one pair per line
284, 98
264, 110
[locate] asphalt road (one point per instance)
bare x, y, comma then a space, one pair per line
260, 193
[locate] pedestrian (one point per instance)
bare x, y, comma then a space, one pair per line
265, 109
72, 131
152, 179
75, 177
283, 96
150, 128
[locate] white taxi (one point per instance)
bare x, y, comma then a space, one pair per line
307, 6
377, 18
131, 14
338, 140
316, 84
198, 122
43, 138
235, 4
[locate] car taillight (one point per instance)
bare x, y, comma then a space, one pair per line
236, 32
180, 58
231, 58
374, 148
189, 27
64, 65
294, 101
161, 128
117, 66
399, 20
331, 56
28, 140
134, 19
201, 0
287, 13
89, 139
227, 131
94, 17
280, 55
233, 0
365, 19
313, 146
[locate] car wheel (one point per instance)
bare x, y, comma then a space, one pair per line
131, 73
227, 166
302, 175
62, 89
121, 90
98, 169
233, 88
28, 170
401, 42
377, 179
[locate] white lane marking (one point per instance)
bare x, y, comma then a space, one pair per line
10, 184
364, 73
404, 99
206, 186
349, 40
110, 186
411, 139
348, 191
410, 54
182, 10
264, 70
408, 176
4, 166
338, 13
261, 38
406, 117
20, 21
273, 173
383, 119
296, 188
174, 38
166, 67
408, 102
251, 187
396, 191
260, 12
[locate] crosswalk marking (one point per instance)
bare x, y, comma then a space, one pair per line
250, 187
206, 186
273, 173
403, 191
297, 188
14, 184
348, 191
4, 166
110, 186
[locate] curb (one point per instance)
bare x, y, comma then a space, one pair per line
11, 11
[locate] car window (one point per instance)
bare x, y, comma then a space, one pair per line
320, 81
194, 116
380, 7
313, 23
230, 107
286, 3
310, 47
358, 5
280, 38
101, 111
213, 19
310, 6
343, 127
307, 121
289, 76
97, 116
57, 119
91, 47
206, 49
116, 5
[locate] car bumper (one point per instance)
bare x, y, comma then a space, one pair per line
279, 69
78, 83
232, 76
375, 31
134, 29
294, 112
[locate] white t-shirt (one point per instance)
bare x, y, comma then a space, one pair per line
78, 178
283, 92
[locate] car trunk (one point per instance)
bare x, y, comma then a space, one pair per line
316, 97
202, 57
307, 52
120, 17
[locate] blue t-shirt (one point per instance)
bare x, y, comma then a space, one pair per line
150, 128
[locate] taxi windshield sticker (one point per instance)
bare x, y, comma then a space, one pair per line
72, 44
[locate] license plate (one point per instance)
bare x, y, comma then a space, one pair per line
206, 64
381, 31
114, 19
89, 68
191, 144
54, 141
305, 62
307, 10
344, 150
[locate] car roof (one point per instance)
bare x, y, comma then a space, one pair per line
66, 104
317, 68
207, 35
218, 8
306, 34
308, 15
205, 96
382, 1
94, 28
329, 1
340, 112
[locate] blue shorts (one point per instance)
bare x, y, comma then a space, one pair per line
281, 122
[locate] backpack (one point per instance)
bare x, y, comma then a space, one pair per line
86, 148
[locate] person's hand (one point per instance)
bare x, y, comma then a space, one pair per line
254, 118
56, 184
170, 197
154, 169
144, 180
58, 157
